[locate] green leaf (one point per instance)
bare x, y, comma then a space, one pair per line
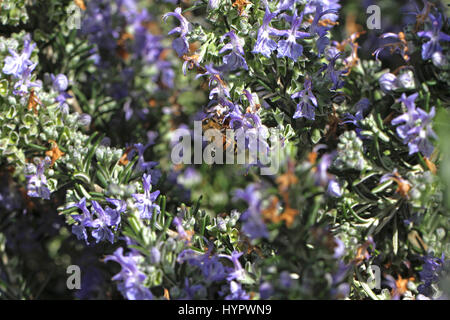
382, 186
395, 237
81, 176
88, 159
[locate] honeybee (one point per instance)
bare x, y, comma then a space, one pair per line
214, 123
333, 125
241, 5
121, 48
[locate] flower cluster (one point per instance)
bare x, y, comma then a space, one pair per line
415, 129
131, 279
20, 67
356, 206
100, 220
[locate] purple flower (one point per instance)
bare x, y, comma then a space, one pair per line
284, 5
334, 189
213, 4
92, 280
155, 255
106, 218
10, 199
333, 74
257, 141
84, 119
146, 46
190, 256
84, 220
80, 232
305, 108
143, 165
121, 206
190, 292
328, 5
16, 64
253, 225
22, 86
264, 45
325, 179
434, 35
289, 47
340, 289
339, 250
181, 231
60, 82
235, 59
416, 126
131, 278
144, 201
219, 89
189, 177
236, 292
361, 107
166, 73
181, 44
99, 26
388, 82
37, 183
341, 272
265, 290
439, 59
321, 31
399, 46
429, 274
406, 80
237, 273
331, 51
212, 269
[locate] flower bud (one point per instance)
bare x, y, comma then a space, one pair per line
155, 255
60, 82
85, 119
388, 82
406, 80
331, 52
213, 4
438, 59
